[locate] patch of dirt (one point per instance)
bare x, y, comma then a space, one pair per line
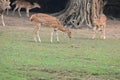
112, 29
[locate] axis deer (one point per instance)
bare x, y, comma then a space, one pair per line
100, 25
40, 20
24, 4
4, 4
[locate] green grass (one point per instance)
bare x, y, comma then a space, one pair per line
80, 58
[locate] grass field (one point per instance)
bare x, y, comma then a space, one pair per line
80, 58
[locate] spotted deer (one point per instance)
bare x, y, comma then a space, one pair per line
40, 20
99, 25
4, 4
24, 4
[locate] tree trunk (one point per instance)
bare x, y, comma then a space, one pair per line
78, 12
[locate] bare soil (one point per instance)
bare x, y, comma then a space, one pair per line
112, 29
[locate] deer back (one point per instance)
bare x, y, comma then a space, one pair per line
45, 20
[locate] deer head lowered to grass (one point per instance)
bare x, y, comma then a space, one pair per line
40, 20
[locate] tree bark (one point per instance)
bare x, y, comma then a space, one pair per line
78, 12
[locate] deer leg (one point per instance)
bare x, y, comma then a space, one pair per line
104, 37
103, 32
37, 31
95, 32
51, 37
27, 12
14, 10
7, 11
2, 20
57, 37
19, 11
37, 36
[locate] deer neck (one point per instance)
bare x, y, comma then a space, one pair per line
61, 28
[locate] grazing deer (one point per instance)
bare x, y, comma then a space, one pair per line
40, 20
4, 4
24, 4
100, 25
